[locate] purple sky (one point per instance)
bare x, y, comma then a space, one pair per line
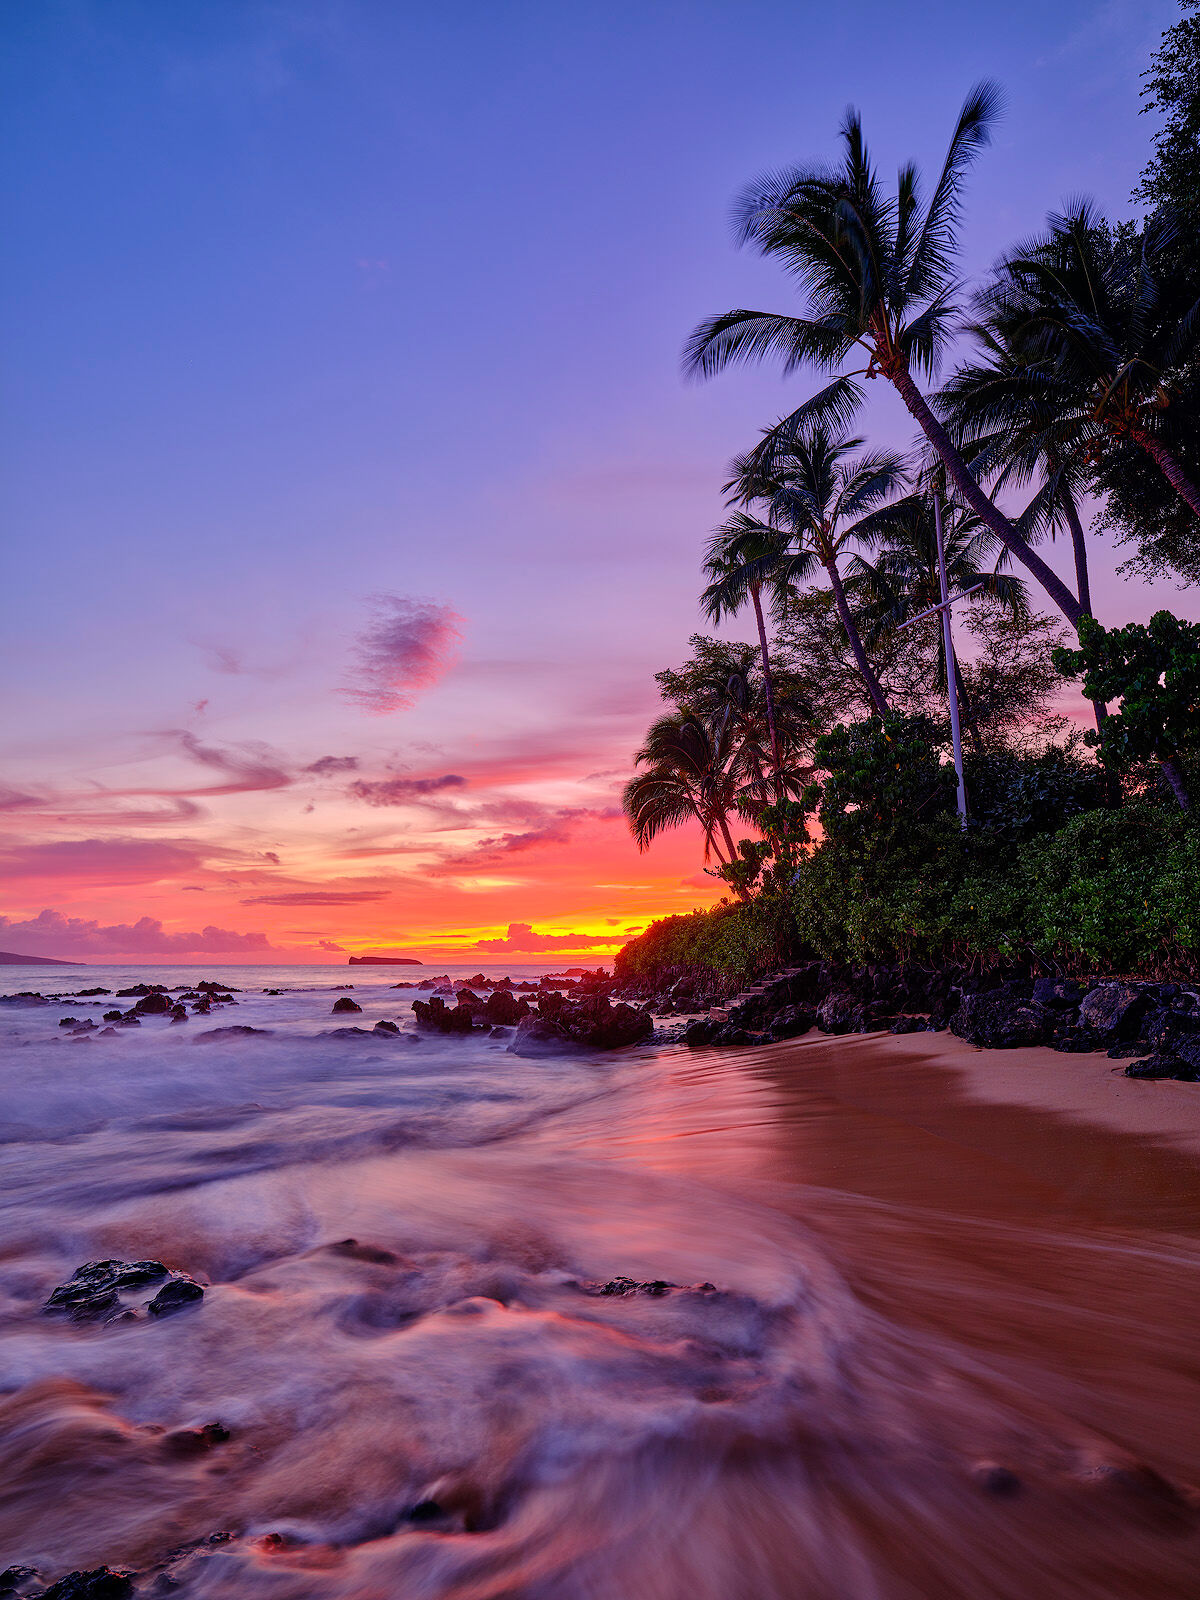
309, 305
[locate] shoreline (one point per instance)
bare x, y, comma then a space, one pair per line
1088, 1088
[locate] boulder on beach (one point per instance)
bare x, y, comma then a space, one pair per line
346, 1004
999, 1020
1114, 1009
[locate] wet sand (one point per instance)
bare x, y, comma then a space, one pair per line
935, 1337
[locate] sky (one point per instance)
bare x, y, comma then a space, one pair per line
353, 492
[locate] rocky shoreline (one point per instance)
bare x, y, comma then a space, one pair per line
1155, 1026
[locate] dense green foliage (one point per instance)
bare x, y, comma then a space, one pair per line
1155, 671
1113, 891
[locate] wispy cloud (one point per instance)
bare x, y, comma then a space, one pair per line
318, 897
406, 648
399, 791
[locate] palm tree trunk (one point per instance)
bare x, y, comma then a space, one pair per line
769, 692
723, 824
1082, 582
1174, 777
987, 512
712, 844
1079, 547
1169, 467
856, 645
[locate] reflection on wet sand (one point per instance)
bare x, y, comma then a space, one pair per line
917, 1344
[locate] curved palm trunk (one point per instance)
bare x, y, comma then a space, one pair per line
1079, 549
1082, 582
723, 823
852, 638
769, 693
1174, 777
710, 841
1169, 467
984, 508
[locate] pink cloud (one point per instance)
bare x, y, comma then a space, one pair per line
408, 647
398, 791
52, 934
328, 764
521, 937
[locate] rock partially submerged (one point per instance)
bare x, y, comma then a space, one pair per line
593, 1023
101, 1583
95, 1290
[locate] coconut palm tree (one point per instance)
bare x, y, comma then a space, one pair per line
818, 497
877, 274
1087, 316
904, 579
744, 557
690, 772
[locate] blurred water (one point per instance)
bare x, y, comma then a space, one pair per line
843, 1397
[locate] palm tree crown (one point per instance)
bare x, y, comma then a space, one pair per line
817, 500
1084, 319
877, 274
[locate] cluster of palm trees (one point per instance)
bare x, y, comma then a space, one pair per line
1074, 343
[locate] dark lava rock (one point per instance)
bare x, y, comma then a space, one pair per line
503, 1010
178, 1015
128, 1020
1059, 994
841, 1012
1167, 1027
699, 1032
16, 1580
142, 989
593, 1023
153, 1005
1158, 1066
27, 997
437, 1017
174, 1296
386, 1027
235, 1030
112, 1016
375, 1254
1114, 1009
68, 1022
185, 1442
998, 1020
85, 994
346, 1004
101, 1583
791, 1022
92, 1291
349, 1033
624, 1286
1073, 1041
426, 1511
907, 1025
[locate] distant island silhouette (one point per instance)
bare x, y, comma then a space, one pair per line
384, 961
9, 959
